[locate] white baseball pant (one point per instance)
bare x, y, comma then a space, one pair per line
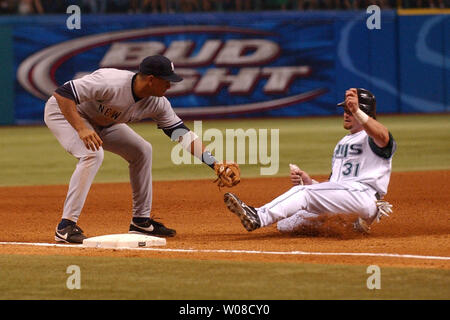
306, 201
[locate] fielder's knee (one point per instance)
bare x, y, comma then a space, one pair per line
142, 153
93, 159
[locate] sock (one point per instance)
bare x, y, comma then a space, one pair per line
140, 220
65, 222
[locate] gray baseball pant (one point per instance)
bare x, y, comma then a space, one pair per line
119, 139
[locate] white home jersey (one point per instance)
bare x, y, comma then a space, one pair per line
357, 158
105, 97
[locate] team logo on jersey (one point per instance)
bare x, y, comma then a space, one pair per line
226, 70
344, 150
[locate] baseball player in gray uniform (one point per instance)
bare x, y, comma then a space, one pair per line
361, 168
89, 115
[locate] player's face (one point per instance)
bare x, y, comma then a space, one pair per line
350, 123
158, 86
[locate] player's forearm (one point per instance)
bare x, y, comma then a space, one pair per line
378, 132
198, 150
69, 110
192, 143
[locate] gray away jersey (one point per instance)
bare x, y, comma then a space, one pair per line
357, 158
105, 97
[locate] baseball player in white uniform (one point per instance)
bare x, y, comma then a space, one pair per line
361, 168
89, 115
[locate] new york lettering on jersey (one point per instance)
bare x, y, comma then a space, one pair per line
109, 112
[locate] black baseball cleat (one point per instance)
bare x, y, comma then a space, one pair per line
70, 234
151, 228
247, 214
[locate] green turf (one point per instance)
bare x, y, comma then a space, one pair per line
32, 156
45, 277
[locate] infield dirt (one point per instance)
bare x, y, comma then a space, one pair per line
420, 224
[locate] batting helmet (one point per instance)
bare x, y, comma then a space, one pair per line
367, 102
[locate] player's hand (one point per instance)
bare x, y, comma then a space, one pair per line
298, 176
351, 100
90, 138
296, 179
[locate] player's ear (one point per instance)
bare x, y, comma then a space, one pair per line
145, 78
150, 79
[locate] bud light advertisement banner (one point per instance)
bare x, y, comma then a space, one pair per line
233, 65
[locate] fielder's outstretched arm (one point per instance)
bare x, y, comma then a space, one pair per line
191, 142
228, 174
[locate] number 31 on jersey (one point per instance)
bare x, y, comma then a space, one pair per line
350, 169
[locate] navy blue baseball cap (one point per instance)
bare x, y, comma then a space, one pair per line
159, 66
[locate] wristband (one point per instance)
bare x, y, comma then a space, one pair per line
361, 117
208, 159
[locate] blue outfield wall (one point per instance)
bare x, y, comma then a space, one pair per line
424, 62
6, 76
236, 65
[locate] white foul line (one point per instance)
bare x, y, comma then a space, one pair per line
305, 253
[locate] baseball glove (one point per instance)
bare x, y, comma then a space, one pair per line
228, 174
